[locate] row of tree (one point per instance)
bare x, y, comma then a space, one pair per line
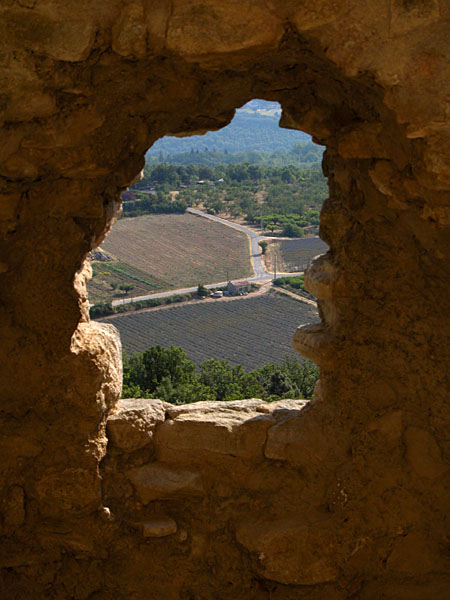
167, 373
303, 154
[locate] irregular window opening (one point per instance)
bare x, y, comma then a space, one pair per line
223, 226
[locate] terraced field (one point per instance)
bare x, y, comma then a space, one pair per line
250, 331
294, 255
163, 252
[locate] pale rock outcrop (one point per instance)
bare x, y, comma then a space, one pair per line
228, 428
158, 481
132, 423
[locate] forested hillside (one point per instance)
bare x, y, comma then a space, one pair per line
254, 127
303, 154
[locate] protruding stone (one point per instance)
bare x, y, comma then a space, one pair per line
324, 280
212, 428
133, 422
316, 342
159, 482
159, 528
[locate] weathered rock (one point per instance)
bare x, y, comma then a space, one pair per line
202, 430
132, 423
159, 528
157, 481
291, 552
71, 491
298, 439
86, 88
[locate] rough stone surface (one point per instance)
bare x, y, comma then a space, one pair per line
362, 472
159, 528
291, 552
157, 481
132, 423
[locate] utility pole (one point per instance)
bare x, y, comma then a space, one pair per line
261, 219
275, 272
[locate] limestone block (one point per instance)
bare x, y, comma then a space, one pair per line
129, 32
298, 440
69, 40
160, 482
423, 453
291, 552
159, 528
218, 428
197, 27
133, 422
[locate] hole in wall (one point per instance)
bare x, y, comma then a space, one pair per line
209, 256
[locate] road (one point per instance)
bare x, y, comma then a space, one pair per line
260, 273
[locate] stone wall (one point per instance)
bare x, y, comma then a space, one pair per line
355, 501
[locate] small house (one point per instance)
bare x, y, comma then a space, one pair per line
239, 288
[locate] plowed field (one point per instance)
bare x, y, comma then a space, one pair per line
251, 331
295, 255
163, 252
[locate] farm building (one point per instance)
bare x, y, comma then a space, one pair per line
238, 288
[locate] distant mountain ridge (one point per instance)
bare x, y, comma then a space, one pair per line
254, 127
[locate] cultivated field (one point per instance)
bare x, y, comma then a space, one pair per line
163, 252
251, 331
294, 255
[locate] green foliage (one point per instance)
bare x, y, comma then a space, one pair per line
298, 283
249, 131
292, 230
202, 291
224, 381
126, 287
168, 374
263, 245
101, 310
157, 203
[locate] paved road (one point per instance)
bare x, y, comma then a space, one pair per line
260, 276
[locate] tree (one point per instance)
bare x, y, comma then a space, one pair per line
224, 380
292, 230
263, 245
159, 362
126, 287
281, 385
202, 291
